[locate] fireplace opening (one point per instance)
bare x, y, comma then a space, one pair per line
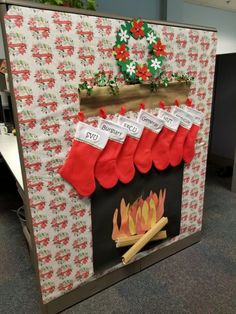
127, 211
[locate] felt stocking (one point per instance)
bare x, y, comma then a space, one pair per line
189, 145
152, 127
161, 147
177, 146
105, 168
125, 162
78, 168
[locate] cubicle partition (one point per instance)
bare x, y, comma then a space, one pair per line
50, 51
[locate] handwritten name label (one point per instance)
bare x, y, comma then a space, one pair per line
133, 128
171, 121
116, 131
91, 135
151, 122
197, 115
186, 119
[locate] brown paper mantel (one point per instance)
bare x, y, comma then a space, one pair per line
131, 96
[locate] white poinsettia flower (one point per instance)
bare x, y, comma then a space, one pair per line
123, 35
155, 63
130, 68
151, 38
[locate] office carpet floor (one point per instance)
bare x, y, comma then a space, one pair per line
198, 280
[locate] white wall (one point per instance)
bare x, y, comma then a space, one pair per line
149, 9
223, 21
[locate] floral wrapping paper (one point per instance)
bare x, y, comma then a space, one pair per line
50, 54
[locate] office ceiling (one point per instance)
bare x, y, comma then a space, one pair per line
229, 5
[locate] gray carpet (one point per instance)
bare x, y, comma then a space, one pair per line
198, 280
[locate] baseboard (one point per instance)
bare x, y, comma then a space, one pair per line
117, 275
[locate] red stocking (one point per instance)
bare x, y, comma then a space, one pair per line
177, 146
189, 145
105, 168
161, 147
78, 168
125, 161
143, 154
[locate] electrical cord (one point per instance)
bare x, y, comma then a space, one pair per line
20, 214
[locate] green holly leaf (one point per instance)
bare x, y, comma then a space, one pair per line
161, 58
147, 29
150, 68
122, 65
128, 26
118, 41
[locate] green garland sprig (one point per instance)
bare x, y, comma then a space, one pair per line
188, 79
164, 80
100, 79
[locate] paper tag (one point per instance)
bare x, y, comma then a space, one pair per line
133, 128
186, 119
116, 131
171, 121
91, 135
197, 115
151, 122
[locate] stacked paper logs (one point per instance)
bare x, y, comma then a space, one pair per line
140, 222
112, 151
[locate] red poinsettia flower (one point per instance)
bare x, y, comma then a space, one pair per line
143, 72
121, 53
159, 49
136, 29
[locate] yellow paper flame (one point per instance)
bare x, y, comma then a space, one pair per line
140, 216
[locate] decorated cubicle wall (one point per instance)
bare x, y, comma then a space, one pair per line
51, 53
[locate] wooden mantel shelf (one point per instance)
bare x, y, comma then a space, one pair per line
131, 96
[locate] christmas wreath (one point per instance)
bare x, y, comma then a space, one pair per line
131, 69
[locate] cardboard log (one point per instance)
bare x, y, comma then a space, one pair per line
131, 96
144, 240
127, 241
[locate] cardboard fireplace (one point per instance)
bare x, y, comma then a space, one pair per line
79, 240
132, 209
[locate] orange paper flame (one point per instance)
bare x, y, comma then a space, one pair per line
139, 217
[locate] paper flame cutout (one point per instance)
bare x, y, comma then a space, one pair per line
140, 216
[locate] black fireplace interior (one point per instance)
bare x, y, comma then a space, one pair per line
104, 203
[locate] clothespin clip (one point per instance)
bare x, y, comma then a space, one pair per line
81, 116
102, 113
188, 102
162, 104
122, 110
176, 102
142, 105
